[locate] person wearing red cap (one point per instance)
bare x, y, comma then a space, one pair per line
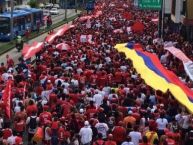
32, 107
119, 133
45, 115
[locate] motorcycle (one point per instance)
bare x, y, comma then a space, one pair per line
19, 46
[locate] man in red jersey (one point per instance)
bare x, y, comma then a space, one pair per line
63, 135
119, 133
45, 115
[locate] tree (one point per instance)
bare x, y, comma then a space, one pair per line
33, 3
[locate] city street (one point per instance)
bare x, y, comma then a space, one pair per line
55, 18
120, 74
15, 55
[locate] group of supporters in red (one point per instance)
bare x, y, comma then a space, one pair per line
91, 94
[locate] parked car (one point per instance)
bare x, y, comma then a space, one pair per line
54, 11
49, 6
56, 6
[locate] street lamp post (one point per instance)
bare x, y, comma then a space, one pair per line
161, 19
11, 21
76, 6
162, 22
65, 9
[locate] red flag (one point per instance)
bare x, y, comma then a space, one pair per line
63, 46
32, 50
127, 16
7, 99
138, 27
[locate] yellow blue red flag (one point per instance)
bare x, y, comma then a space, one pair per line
155, 74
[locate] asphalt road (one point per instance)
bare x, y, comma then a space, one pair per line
55, 18
15, 55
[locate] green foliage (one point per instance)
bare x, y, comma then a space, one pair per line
33, 3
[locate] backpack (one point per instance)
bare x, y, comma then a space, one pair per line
33, 123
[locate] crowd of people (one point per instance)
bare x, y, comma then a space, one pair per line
91, 94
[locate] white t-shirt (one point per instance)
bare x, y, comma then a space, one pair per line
102, 128
11, 140
1, 123
161, 123
135, 137
98, 99
185, 124
17, 109
179, 118
86, 135
127, 143
163, 59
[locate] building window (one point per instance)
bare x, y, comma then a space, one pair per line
173, 7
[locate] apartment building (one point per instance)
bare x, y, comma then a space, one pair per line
182, 15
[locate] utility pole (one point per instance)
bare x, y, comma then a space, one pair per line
76, 6
66, 10
83, 3
11, 21
162, 25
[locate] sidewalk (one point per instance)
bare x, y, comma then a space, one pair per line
15, 55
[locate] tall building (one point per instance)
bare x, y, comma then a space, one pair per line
182, 15
6, 4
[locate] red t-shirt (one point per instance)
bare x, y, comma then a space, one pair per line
7, 133
118, 77
63, 134
93, 79
30, 109
119, 134
45, 116
19, 126
90, 112
55, 125
109, 142
102, 81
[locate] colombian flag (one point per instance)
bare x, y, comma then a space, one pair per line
155, 74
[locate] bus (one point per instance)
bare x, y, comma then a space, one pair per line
36, 16
22, 19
